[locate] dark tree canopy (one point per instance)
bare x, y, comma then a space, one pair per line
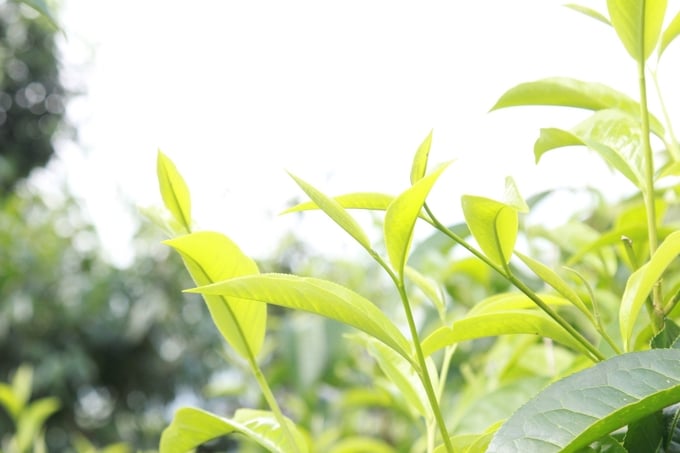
31, 94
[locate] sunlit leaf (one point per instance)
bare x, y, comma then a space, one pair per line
513, 197
31, 420
211, 257
586, 406
428, 287
514, 301
642, 281
613, 134
638, 24
192, 427
670, 33
359, 200
551, 278
419, 166
335, 211
315, 296
471, 443
401, 216
174, 191
499, 323
589, 12
494, 226
22, 385
360, 444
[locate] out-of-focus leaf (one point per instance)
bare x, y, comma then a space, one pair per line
513, 197
638, 24
42, 7
499, 323
315, 296
335, 211
192, 427
174, 192
401, 216
494, 226
641, 282
645, 434
31, 420
589, 12
586, 406
471, 443
514, 301
429, 288
359, 444
211, 257
670, 33
419, 166
359, 200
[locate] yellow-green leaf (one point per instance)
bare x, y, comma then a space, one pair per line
371, 201
638, 24
513, 197
211, 257
401, 216
174, 192
494, 226
590, 12
419, 166
670, 33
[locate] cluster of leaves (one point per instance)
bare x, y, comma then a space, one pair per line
608, 375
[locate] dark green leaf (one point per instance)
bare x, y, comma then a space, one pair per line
582, 408
646, 434
668, 335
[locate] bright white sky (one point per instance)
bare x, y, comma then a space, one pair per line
339, 93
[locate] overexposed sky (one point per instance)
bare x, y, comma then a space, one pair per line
339, 93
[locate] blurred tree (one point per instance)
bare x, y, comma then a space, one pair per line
32, 96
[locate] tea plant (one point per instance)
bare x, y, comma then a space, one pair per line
615, 377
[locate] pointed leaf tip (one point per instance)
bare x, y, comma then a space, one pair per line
174, 192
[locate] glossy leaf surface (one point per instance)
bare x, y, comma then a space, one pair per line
315, 296
494, 226
211, 257
401, 216
586, 406
335, 211
192, 427
638, 24
174, 192
642, 281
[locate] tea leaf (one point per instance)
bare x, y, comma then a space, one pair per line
428, 287
401, 216
499, 323
31, 420
513, 197
419, 166
174, 191
589, 12
335, 211
315, 296
588, 405
551, 278
670, 33
211, 257
613, 134
359, 200
514, 301
638, 24
192, 427
642, 281
359, 444
494, 226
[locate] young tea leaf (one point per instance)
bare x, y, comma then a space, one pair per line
174, 192
401, 216
419, 167
211, 257
594, 14
638, 24
670, 33
190, 428
315, 296
513, 197
335, 211
586, 406
641, 282
494, 226
360, 200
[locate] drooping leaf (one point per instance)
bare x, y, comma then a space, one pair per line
499, 323
358, 200
174, 192
192, 427
589, 12
613, 134
641, 282
670, 33
401, 216
585, 406
335, 211
551, 278
211, 257
419, 166
638, 24
494, 226
315, 296
400, 372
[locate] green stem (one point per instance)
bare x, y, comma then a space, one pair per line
594, 353
423, 373
648, 193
